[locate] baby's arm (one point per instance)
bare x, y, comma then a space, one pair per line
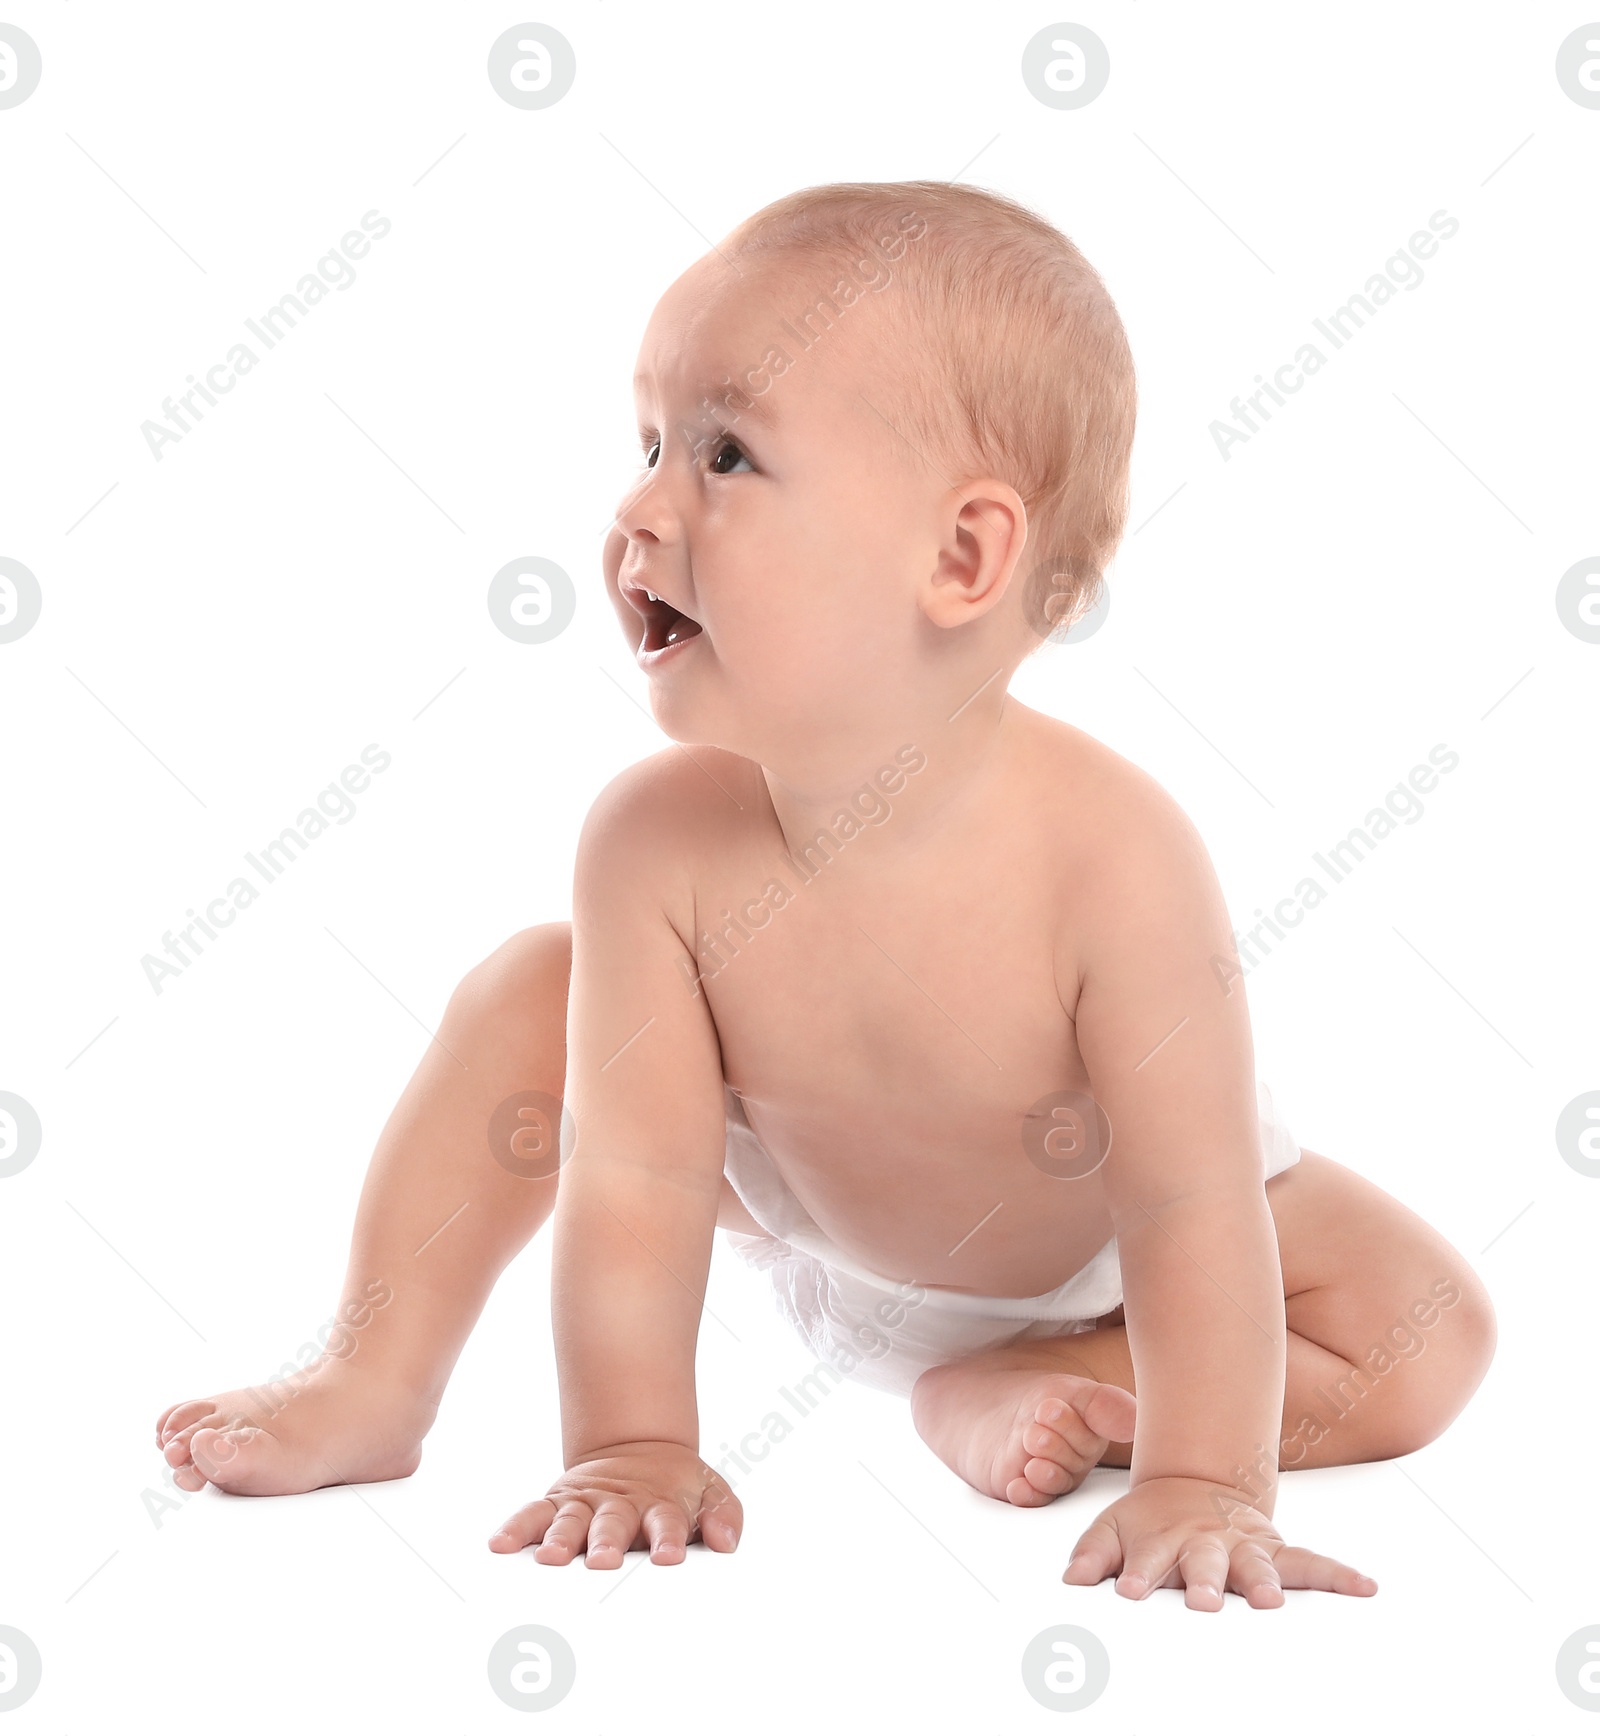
1171, 1062
637, 1202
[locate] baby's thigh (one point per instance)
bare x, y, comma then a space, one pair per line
535, 964
516, 999
520, 993
732, 1215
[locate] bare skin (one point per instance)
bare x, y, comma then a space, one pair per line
1027, 1422
1024, 1424
1009, 910
831, 617
361, 1417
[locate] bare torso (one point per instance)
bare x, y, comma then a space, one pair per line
887, 1030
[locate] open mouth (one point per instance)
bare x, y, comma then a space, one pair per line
664, 624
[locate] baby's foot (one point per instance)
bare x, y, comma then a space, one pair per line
1023, 1435
333, 1422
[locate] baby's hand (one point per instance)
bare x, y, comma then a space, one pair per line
1206, 1538
603, 1504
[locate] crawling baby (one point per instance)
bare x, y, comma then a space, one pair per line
919, 994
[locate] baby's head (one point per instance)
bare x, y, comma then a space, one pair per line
886, 430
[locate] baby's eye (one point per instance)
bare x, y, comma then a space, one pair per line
716, 452
721, 448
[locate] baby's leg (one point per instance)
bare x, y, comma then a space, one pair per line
437, 1223
1389, 1333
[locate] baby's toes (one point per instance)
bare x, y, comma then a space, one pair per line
1050, 1477
240, 1460
1090, 1420
176, 1449
1021, 1491
1066, 1438
182, 1416
1060, 1458
1110, 1411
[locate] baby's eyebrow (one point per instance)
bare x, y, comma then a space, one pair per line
746, 406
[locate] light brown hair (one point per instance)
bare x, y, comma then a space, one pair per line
1017, 365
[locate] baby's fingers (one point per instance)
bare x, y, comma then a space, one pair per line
1203, 1562
1302, 1570
568, 1533
1253, 1575
1150, 1563
611, 1532
527, 1525
721, 1516
1096, 1553
668, 1531
563, 1530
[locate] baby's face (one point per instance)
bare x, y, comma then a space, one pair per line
783, 524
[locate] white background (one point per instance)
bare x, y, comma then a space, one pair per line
1293, 630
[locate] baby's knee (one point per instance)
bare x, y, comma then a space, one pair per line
1457, 1334
522, 983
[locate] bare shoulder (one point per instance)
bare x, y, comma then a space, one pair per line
654, 827
695, 794
1131, 876
1108, 815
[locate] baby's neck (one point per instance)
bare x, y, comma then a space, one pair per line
924, 779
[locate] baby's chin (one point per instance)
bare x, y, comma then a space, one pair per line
765, 714
682, 713
694, 718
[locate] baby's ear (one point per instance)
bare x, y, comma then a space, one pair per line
984, 533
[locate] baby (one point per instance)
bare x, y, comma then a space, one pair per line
928, 999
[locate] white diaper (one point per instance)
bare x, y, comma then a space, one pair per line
884, 1331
